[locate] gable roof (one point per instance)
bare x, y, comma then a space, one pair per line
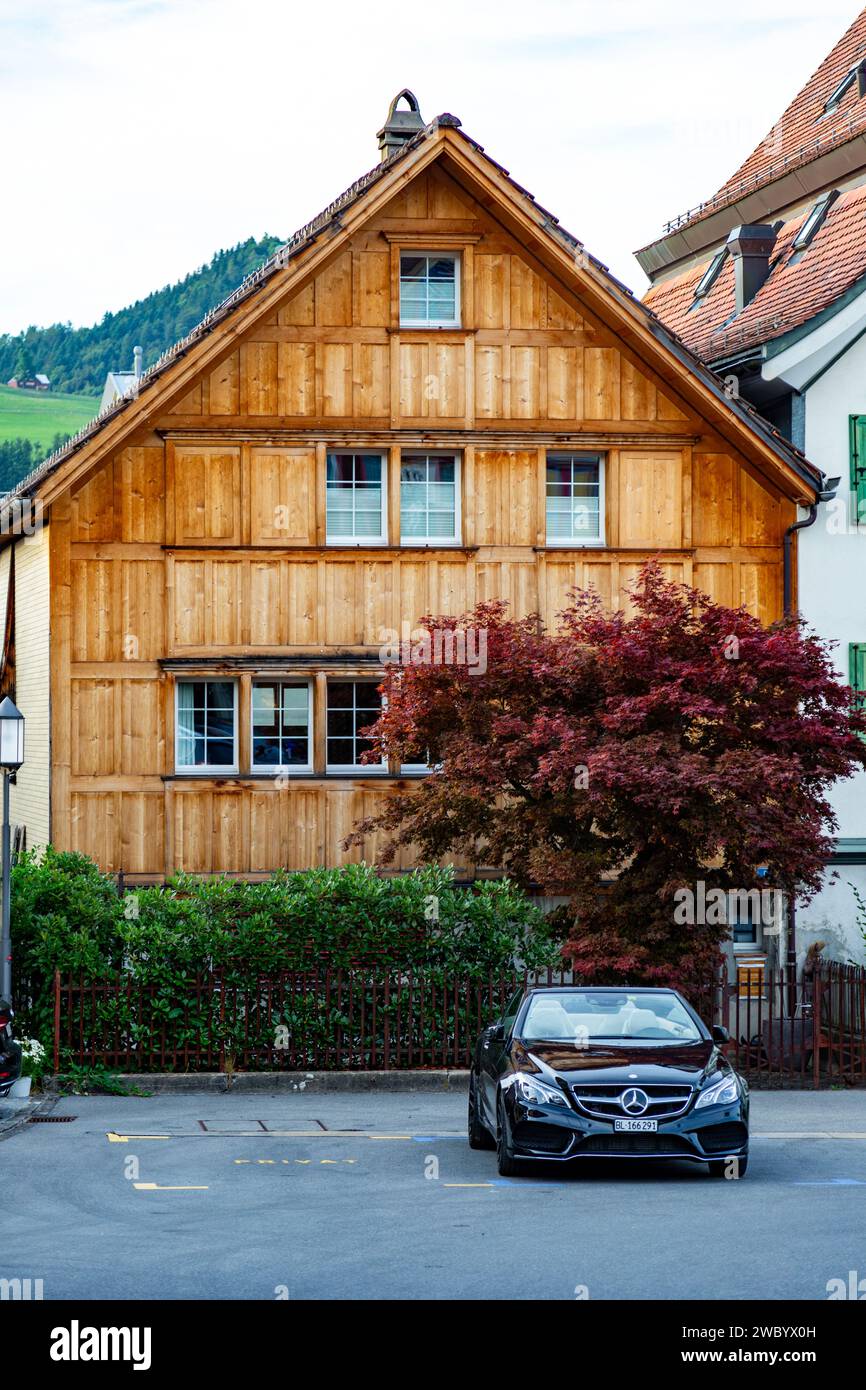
803, 133
799, 286
176, 369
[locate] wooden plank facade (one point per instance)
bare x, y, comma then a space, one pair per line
197, 545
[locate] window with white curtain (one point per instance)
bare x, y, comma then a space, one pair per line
575, 499
429, 290
429, 499
206, 726
355, 499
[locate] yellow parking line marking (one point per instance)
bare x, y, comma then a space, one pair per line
155, 1187
114, 1138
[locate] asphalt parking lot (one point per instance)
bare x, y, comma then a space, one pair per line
377, 1195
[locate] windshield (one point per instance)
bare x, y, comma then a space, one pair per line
590, 1016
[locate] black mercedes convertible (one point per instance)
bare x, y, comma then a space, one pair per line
571, 1072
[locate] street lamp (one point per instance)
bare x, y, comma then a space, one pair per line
11, 758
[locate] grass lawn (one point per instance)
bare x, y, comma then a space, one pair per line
40, 415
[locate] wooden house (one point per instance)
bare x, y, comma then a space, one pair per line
431, 396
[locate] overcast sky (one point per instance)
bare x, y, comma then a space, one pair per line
140, 136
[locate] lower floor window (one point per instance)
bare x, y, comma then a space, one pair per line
206, 735
281, 724
352, 707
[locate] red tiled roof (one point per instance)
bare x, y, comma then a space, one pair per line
797, 288
803, 132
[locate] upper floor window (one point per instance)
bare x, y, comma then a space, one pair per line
355, 499
352, 707
206, 726
281, 725
429, 290
575, 499
429, 499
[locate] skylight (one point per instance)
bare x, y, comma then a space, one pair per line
858, 73
814, 220
710, 275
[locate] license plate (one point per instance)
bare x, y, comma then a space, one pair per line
639, 1126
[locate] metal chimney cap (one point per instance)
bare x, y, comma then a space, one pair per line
400, 126
755, 239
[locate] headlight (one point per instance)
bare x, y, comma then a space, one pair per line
723, 1092
538, 1092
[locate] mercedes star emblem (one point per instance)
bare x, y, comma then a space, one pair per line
633, 1101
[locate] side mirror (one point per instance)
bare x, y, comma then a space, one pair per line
499, 1033
720, 1034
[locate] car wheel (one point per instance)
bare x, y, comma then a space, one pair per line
479, 1138
719, 1167
508, 1165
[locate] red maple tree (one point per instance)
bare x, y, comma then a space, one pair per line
622, 758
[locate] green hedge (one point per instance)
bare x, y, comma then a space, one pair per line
68, 916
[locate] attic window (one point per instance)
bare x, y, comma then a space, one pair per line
814, 221
710, 276
856, 73
429, 291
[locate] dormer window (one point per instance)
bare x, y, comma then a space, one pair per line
429, 290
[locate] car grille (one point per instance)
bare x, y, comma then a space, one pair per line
602, 1101
721, 1139
614, 1144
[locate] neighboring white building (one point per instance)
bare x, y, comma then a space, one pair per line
119, 385
767, 282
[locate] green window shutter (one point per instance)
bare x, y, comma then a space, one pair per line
858, 466
857, 669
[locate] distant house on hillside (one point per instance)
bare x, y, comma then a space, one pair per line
38, 382
118, 385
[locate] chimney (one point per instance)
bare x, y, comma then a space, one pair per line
400, 126
137, 356
750, 249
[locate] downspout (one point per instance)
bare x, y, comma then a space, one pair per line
788, 545
827, 495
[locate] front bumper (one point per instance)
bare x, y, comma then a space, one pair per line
10, 1066
553, 1134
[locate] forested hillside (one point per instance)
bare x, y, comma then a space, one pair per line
77, 359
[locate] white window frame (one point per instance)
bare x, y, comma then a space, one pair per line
347, 542
436, 542
458, 275
349, 769
277, 768
206, 769
573, 542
